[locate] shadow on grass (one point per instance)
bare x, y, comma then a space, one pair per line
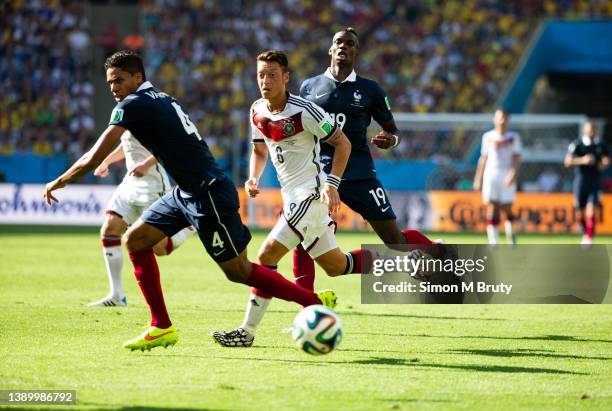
424, 317
411, 400
362, 314
292, 348
467, 367
492, 337
106, 407
145, 408
521, 352
401, 362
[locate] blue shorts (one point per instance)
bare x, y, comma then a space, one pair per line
584, 196
214, 215
368, 198
586, 192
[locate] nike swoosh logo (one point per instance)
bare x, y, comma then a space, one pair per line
216, 254
149, 337
385, 209
321, 95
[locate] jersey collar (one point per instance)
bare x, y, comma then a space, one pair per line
351, 77
145, 85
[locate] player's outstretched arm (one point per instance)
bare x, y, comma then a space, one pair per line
257, 163
101, 149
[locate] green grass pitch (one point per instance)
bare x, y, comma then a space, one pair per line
392, 357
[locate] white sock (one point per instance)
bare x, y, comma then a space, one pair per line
180, 237
113, 258
509, 232
256, 308
492, 233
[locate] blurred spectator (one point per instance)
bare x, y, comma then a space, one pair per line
133, 41
45, 70
429, 56
42, 146
453, 57
548, 180
109, 39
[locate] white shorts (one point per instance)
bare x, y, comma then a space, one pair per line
308, 223
494, 189
129, 203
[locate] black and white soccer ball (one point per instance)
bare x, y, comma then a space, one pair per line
317, 330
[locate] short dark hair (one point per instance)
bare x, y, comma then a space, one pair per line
352, 31
279, 57
126, 60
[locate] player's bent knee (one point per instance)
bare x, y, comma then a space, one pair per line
112, 226
335, 270
131, 242
135, 241
333, 273
237, 270
161, 249
271, 252
333, 262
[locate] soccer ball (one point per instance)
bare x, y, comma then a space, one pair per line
317, 330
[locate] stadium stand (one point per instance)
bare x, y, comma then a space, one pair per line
45, 72
429, 56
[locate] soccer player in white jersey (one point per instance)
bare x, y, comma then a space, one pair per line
289, 129
144, 183
496, 174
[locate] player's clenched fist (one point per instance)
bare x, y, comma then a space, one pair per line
101, 170
251, 187
384, 140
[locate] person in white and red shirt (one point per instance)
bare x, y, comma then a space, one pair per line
496, 174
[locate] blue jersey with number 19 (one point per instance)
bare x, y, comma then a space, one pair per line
163, 127
352, 104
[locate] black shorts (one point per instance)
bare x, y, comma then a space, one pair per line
368, 198
585, 193
214, 215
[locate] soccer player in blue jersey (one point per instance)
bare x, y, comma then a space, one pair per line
590, 157
352, 101
203, 198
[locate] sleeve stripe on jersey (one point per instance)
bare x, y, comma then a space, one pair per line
331, 133
308, 106
257, 140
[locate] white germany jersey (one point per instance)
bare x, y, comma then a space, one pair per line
499, 150
156, 181
293, 137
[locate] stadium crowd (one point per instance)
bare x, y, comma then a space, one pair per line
429, 56
45, 69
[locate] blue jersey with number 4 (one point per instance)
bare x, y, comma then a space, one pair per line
163, 127
352, 104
